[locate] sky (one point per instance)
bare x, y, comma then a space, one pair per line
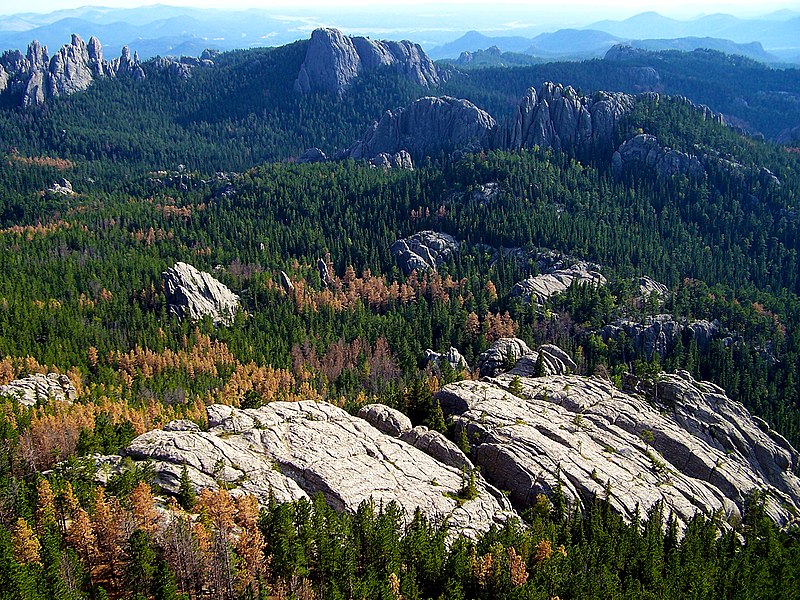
573, 8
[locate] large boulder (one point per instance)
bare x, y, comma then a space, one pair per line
334, 60
427, 127
33, 388
291, 450
555, 280
501, 356
193, 294
678, 441
423, 250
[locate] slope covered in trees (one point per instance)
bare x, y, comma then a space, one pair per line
81, 293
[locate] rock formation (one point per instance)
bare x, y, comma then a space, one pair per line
34, 78
648, 286
658, 334
333, 60
312, 155
644, 150
35, 387
558, 117
453, 358
295, 450
678, 441
555, 279
514, 355
424, 250
193, 294
398, 160
426, 127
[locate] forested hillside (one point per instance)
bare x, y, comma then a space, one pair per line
198, 170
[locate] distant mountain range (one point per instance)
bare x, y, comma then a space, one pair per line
175, 31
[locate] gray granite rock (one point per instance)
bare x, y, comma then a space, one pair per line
334, 60
648, 286
398, 160
295, 450
453, 357
426, 127
644, 150
37, 386
193, 294
385, 419
501, 356
678, 441
424, 250
658, 334
312, 155
539, 288
34, 78
558, 117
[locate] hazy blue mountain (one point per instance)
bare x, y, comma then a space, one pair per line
752, 50
474, 40
779, 33
572, 42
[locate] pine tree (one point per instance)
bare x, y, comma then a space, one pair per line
186, 494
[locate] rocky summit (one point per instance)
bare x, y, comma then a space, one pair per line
35, 77
674, 440
193, 294
334, 60
644, 150
293, 450
558, 117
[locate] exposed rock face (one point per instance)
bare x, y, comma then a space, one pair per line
557, 117
514, 355
438, 446
333, 60
312, 155
286, 283
686, 443
426, 127
61, 188
556, 279
324, 272
658, 334
295, 450
644, 150
193, 294
453, 357
181, 68
36, 77
501, 356
32, 388
398, 160
648, 286
385, 419
424, 250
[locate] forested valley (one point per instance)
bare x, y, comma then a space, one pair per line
202, 170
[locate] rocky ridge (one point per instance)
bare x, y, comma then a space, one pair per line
193, 294
677, 440
334, 60
294, 450
35, 77
644, 150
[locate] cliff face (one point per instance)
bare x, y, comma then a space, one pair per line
333, 60
35, 77
428, 126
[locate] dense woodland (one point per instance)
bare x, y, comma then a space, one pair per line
81, 293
